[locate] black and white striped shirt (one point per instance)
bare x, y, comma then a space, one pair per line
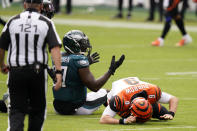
26, 36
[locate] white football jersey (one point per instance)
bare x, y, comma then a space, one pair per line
119, 85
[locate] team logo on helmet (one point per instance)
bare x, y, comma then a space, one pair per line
75, 41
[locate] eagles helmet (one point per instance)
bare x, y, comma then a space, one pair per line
48, 9
75, 41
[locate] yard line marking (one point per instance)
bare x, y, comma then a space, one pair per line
181, 73
160, 128
163, 60
113, 24
156, 128
174, 78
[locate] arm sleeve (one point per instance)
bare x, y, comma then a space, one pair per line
81, 62
53, 38
5, 38
109, 112
165, 98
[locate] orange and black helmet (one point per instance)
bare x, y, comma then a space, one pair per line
142, 109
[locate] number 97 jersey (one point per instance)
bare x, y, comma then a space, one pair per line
72, 87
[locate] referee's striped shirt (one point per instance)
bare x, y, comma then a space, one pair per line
26, 36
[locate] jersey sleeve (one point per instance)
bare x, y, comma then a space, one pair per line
165, 98
81, 62
53, 38
108, 111
5, 38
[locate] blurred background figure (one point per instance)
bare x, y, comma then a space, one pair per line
120, 9
56, 4
140, 4
155, 4
196, 10
68, 7
5, 3
195, 1
172, 12
185, 6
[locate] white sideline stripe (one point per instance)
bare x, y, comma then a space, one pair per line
162, 60
114, 24
181, 73
156, 128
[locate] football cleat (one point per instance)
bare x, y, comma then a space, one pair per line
158, 42
184, 41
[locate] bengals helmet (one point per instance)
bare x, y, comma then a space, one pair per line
142, 109
75, 41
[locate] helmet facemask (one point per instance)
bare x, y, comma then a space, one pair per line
85, 47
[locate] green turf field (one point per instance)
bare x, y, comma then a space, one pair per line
173, 69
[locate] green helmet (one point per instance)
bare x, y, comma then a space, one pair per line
75, 41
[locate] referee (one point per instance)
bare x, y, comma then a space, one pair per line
26, 37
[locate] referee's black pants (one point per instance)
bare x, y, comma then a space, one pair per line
27, 96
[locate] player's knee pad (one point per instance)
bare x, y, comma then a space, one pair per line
64, 108
158, 110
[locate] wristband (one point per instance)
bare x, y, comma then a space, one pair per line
58, 72
171, 113
121, 121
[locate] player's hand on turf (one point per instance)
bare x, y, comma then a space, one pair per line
130, 119
94, 58
167, 117
115, 64
5, 69
58, 83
